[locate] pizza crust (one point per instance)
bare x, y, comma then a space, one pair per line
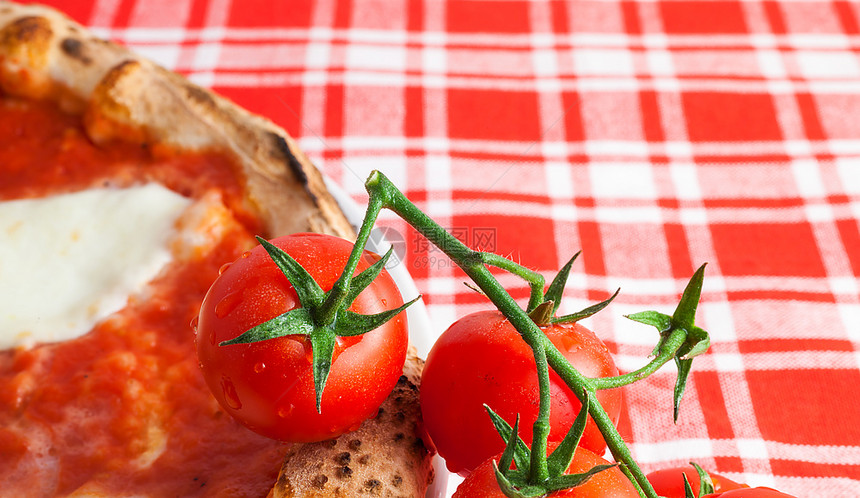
45, 55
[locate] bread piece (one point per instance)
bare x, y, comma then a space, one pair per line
387, 456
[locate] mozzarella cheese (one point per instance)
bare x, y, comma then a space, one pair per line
68, 261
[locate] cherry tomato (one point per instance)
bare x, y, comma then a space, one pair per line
669, 483
481, 359
751, 493
268, 385
609, 483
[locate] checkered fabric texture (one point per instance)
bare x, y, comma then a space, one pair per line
654, 135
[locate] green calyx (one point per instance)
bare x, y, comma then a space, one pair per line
706, 485
544, 313
678, 333
518, 482
323, 316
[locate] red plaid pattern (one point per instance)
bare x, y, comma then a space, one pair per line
652, 134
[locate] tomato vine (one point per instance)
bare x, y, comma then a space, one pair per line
680, 340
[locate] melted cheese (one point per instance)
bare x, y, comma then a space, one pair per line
68, 261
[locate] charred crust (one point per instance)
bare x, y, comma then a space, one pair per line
419, 448
355, 444
344, 472
396, 481
331, 443
200, 96
74, 48
116, 73
319, 481
372, 484
343, 458
283, 148
404, 384
283, 484
30, 29
399, 436
364, 459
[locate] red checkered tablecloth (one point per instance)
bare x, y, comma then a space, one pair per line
654, 135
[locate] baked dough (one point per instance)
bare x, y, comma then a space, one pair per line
387, 456
44, 55
120, 96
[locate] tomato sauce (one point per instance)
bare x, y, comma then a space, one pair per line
123, 409
44, 151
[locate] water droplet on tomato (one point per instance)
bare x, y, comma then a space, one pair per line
285, 411
384, 301
259, 367
227, 304
231, 397
570, 344
224, 268
246, 254
194, 322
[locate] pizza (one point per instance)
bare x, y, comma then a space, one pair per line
124, 188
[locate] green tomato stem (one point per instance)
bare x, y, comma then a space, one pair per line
620, 451
614, 441
327, 312
472, 263
667, 353
534, 279
383, 194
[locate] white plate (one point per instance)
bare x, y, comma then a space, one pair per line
421, 333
